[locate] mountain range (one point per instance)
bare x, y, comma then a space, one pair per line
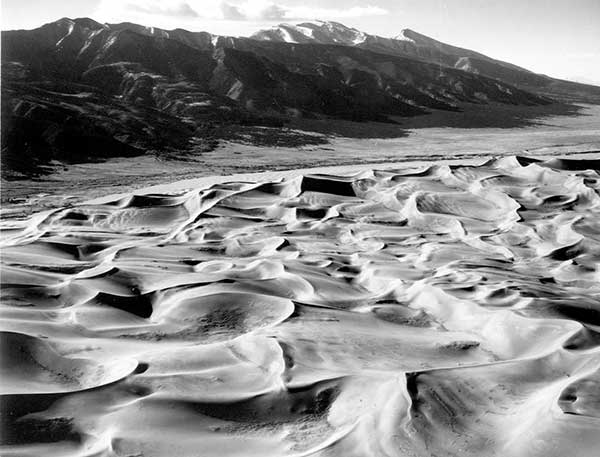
76, 90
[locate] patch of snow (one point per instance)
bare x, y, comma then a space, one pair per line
214, 39
504, 89
359, 38
204, 103
71, 27
307, 31
235, 90
403, 37
110, 42
285, 35
88, 42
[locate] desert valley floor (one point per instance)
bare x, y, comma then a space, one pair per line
408, 309
534, 131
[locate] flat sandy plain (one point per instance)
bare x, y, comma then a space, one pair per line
407, 309
539, 131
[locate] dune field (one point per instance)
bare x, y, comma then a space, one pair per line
428, 310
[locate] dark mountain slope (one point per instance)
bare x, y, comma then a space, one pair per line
401, 77
76, 90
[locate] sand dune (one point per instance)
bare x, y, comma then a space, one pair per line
432, 310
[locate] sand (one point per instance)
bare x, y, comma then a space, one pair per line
448, 310
438, 136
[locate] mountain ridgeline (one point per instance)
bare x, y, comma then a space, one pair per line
77, 90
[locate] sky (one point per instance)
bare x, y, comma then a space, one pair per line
560, 38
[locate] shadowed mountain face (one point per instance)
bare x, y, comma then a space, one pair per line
78, 90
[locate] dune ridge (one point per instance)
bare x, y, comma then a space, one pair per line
426, 310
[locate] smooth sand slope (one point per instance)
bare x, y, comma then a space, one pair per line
434, 310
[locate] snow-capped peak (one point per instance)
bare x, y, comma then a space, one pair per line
404, 36
330, 32
323, 32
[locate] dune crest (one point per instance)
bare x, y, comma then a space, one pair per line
440, 310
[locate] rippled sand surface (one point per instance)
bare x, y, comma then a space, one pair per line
438, 310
